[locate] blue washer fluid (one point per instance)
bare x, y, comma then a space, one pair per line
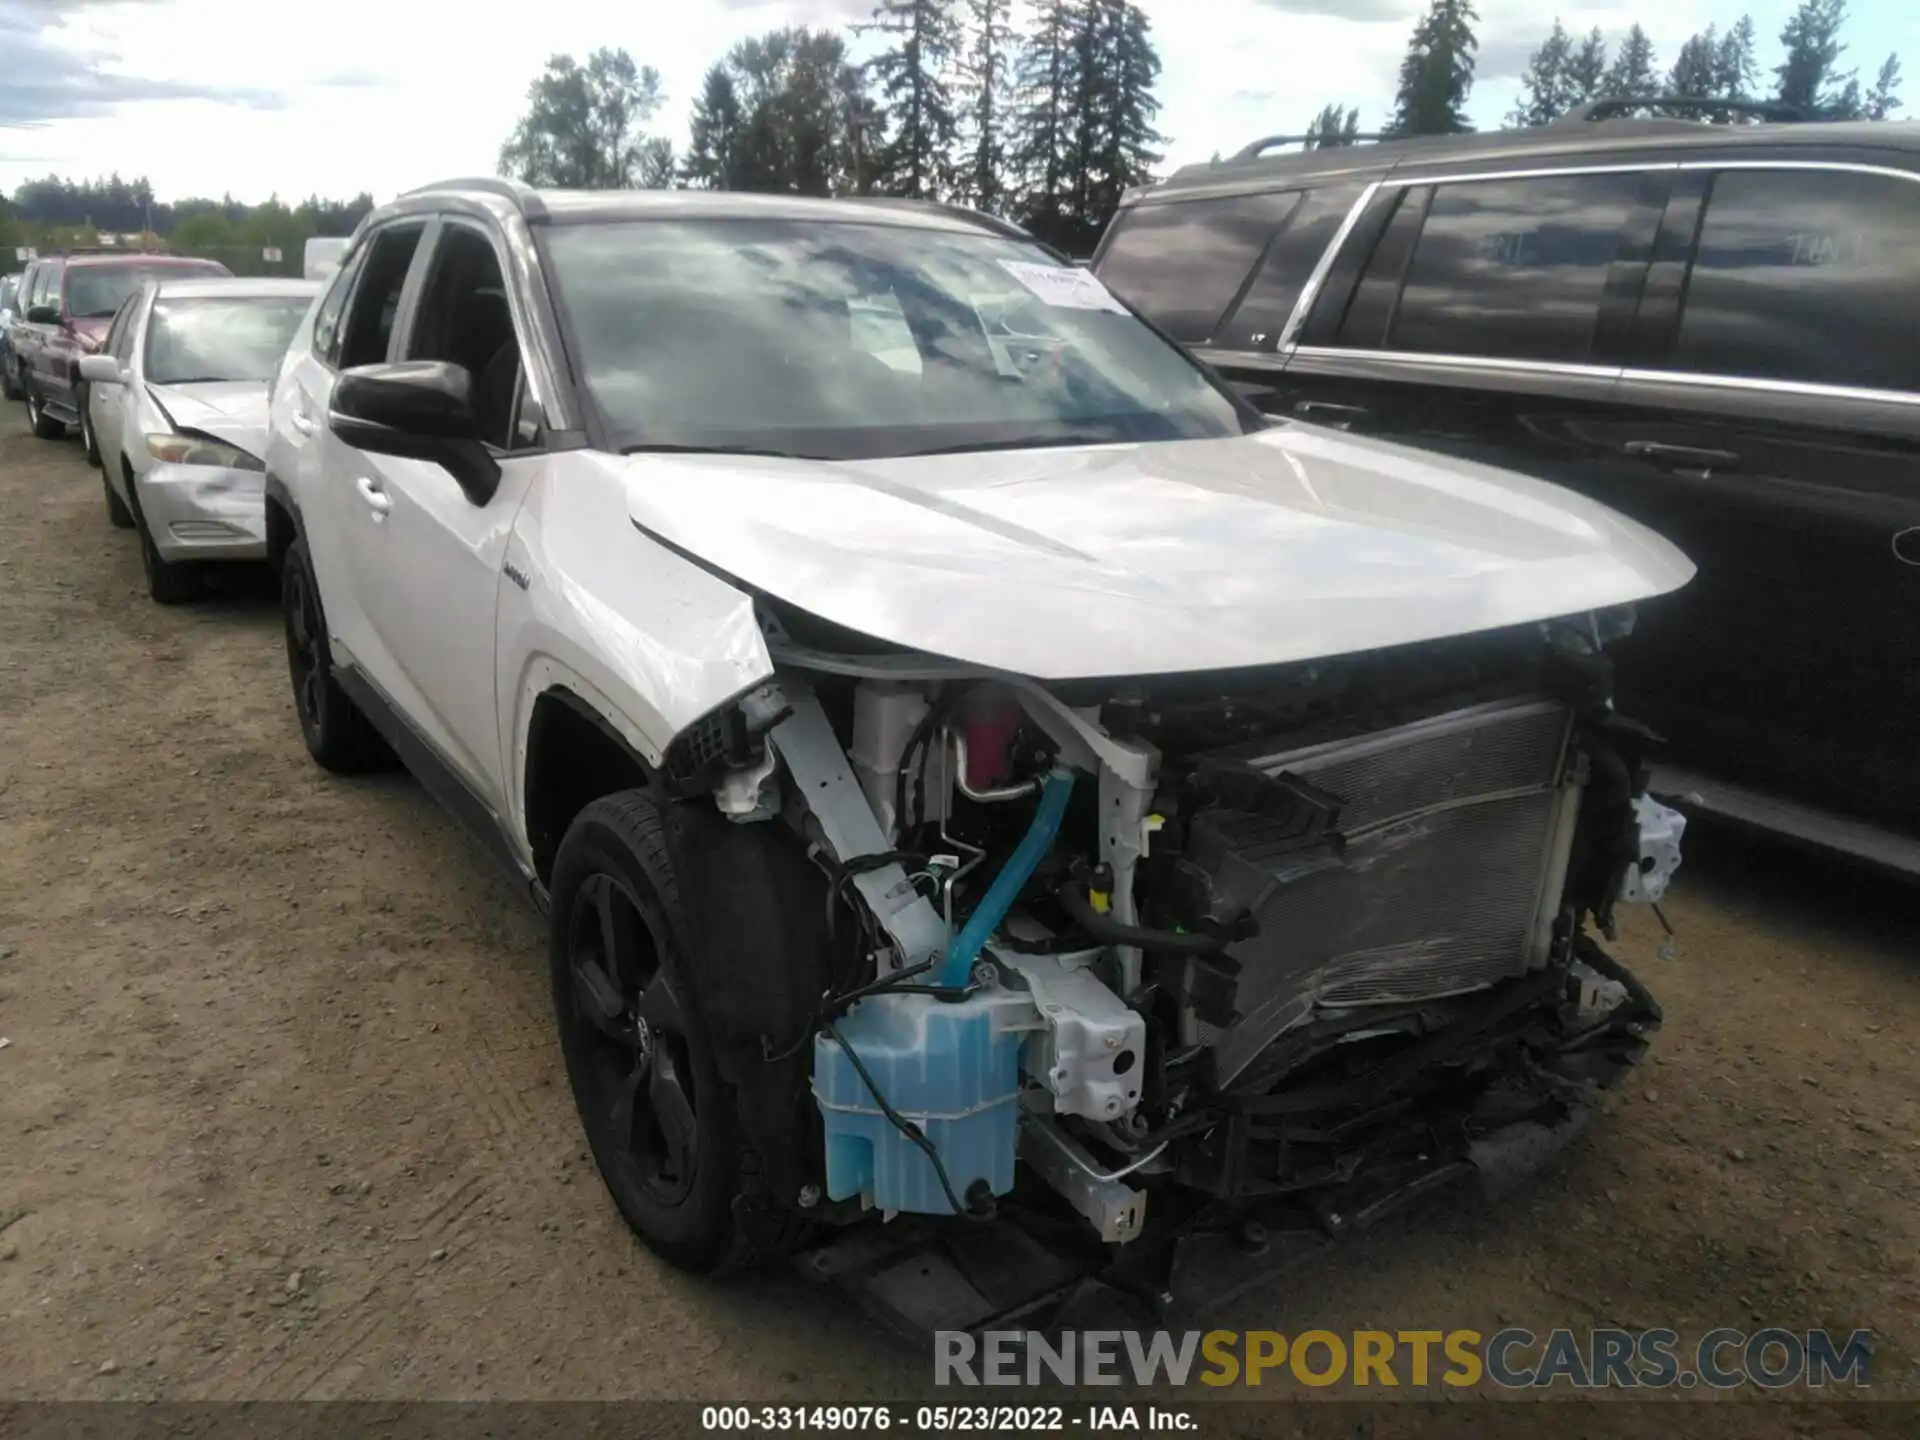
953, 1068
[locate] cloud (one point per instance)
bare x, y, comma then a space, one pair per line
807, 12
1364, 12
42, 80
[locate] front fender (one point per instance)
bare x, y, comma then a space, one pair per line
647, 638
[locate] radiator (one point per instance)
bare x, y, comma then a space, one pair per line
1456, 836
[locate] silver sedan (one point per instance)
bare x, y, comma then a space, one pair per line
176, 417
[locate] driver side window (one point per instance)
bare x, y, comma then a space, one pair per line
375, 302
464, 319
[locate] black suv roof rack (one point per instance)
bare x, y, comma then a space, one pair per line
1270, 142
1617, 107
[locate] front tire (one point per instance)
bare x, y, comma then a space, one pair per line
43, 425
169, 582
10, 387
86, 430
338, 736
118, 515
644, 1075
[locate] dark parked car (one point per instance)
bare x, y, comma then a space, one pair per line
68, 301
1712, 328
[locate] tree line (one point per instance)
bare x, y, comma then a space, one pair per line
1436, 77
1047, 122
53, 212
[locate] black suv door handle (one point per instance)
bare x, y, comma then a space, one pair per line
1328, 412
1682, 457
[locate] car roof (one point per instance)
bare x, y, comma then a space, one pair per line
1567, 140
245, 286
564, 207
132, 257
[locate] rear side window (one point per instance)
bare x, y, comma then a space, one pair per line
1291, 257
1181, 264
326, 321
1512, 269
1807, 276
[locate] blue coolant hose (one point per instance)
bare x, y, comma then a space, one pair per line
993, 906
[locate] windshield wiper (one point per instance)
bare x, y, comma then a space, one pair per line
667, 449
1026, 442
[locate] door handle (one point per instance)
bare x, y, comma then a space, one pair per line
301, 422
377, 499
1682, 457
1329, 413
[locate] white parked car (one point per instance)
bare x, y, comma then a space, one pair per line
176, 417
1050, 798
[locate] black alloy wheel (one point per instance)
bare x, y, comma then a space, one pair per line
636, 1077
337, 735
43, 425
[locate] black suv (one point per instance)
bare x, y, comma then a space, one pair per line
1714, 329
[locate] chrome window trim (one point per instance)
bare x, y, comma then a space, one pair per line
1761, 385
1303, 303
1813, 389
1459, 362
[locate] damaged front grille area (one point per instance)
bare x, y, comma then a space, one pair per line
1442, 874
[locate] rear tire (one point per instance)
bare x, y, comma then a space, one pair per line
86, 431
644, 1076
43, 425
338, 736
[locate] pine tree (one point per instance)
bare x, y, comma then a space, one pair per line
1696, 69
1734, 68
1333, 126
1807, 78
1587, 68
794, 94
714, 133
1437, 74
1544, 89
1128, 147
1044, 86
912, 75
984, 67
1633, 70
1884, 98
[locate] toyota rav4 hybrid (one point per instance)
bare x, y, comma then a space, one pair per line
1014, 824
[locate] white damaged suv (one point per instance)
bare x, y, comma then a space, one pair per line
982, 777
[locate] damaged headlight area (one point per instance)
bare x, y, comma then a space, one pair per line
1165, 979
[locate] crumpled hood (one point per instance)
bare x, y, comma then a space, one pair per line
231, 410
1290, 544
91, 332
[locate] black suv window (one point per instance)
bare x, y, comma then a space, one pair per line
1810, 276
1512, 269
1180, 264
1258, 320
376, 298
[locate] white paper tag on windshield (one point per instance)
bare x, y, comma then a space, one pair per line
1064, 286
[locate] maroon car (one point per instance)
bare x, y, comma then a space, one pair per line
65, 315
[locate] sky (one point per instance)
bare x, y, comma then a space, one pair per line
206, 97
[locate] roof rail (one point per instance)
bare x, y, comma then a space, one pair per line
1617, 106
986, 220
1270, 142
490, 184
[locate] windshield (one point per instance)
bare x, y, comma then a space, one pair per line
848, 340
240, 337
94, 292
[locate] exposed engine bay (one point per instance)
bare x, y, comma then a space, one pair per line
1156, 953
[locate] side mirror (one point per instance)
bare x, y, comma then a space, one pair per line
100, 370
416, 410
43, 314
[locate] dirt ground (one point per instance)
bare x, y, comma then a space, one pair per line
281, 1115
